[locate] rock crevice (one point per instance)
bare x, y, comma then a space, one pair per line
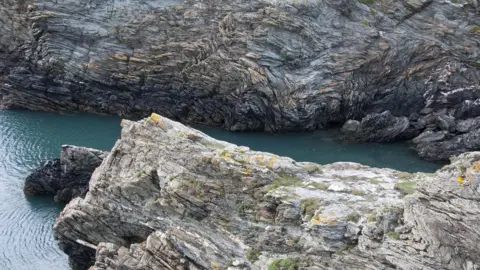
171, 197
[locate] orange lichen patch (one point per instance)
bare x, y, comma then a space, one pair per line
92, 66
157, 120
325, 90
461, 181
257, 77
321, 220
123, 123
271, 162
476, 166
226, 155
260, 159
120, 56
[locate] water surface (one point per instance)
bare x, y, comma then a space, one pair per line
27, 139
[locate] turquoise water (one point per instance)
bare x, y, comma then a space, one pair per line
325, 147
29, 138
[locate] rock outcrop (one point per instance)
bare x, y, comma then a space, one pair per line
378, 127
245, 64
170, 197
66, 177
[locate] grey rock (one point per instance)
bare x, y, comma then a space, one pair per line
468, 125
378, 127
66, 177
163, 201
434, 148
445, 122
351, 126
430, 136
244, 65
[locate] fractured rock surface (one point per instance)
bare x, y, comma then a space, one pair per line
246, 65
66, 177
171, 197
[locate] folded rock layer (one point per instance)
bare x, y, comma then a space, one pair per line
248, 65
170, 197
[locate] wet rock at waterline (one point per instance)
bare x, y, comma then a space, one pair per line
66, 177
246, 65
170, 197
378, 127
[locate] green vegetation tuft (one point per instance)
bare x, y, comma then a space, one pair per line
253, 254
366, 23
285, 180
372, 219
476, 28
407, 187
367, 2
393, 235
285, 264
374, 181
404, 175
140, 173
309, 206
321, 186
454, 1
353, 217
373, 12
243, 207
357, 192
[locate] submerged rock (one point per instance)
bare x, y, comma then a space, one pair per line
171, 197
66, 177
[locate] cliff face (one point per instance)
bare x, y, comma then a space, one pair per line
248, 65
170, 197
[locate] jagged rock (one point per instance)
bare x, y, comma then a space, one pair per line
445, 122
163, 201
245, 64
441, 147
428, 137
66, 177
381, 127
468, 125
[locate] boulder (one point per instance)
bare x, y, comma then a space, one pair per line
379, 127
66, 177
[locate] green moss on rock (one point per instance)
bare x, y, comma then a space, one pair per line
253, 254
407, 187
285, 264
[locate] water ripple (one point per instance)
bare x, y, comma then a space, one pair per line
27, 140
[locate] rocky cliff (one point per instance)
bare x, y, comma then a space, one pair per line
170, 197
252, 65
66, 177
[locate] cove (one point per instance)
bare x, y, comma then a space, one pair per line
30, 138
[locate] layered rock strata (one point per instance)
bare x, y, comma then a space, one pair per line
171, 197
250, 65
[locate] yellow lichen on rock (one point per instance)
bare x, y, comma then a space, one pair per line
157, 120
